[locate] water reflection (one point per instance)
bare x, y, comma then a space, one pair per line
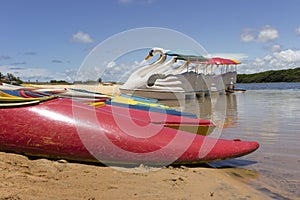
221, 109
271, 117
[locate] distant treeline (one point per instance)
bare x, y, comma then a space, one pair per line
60, 82
288, 75
10, 78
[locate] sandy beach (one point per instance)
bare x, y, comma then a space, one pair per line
26, 178
22, 178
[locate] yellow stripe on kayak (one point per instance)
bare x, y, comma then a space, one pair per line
119, 99
96, 104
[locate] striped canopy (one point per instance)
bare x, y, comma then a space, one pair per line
187, 55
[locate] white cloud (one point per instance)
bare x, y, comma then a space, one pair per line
69, 75
284, 59
120, 71
288, 56
275, 48
265, 34
111, 64
81, 37
25, 74
247, 35
298, 30
40, 74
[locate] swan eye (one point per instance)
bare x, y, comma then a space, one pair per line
151, 52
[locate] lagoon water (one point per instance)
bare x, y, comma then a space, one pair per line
266, 113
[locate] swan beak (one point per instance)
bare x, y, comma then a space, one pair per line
148, 57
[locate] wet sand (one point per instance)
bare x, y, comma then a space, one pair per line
24, 178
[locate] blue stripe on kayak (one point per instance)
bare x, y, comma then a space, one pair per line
12, 92
85, 91
34, 94
142, 99
152, 109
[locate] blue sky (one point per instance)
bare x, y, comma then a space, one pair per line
44, 40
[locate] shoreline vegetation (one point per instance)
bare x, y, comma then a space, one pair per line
272, 76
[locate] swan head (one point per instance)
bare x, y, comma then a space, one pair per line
154, 51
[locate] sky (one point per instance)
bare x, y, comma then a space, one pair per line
50, 39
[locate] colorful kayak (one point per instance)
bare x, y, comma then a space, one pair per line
149, 105
193, 125
65, 129
21, 93
28, 92
76, 93
148, 108
21, 99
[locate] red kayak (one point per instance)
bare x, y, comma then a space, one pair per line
193, 125
65, 129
